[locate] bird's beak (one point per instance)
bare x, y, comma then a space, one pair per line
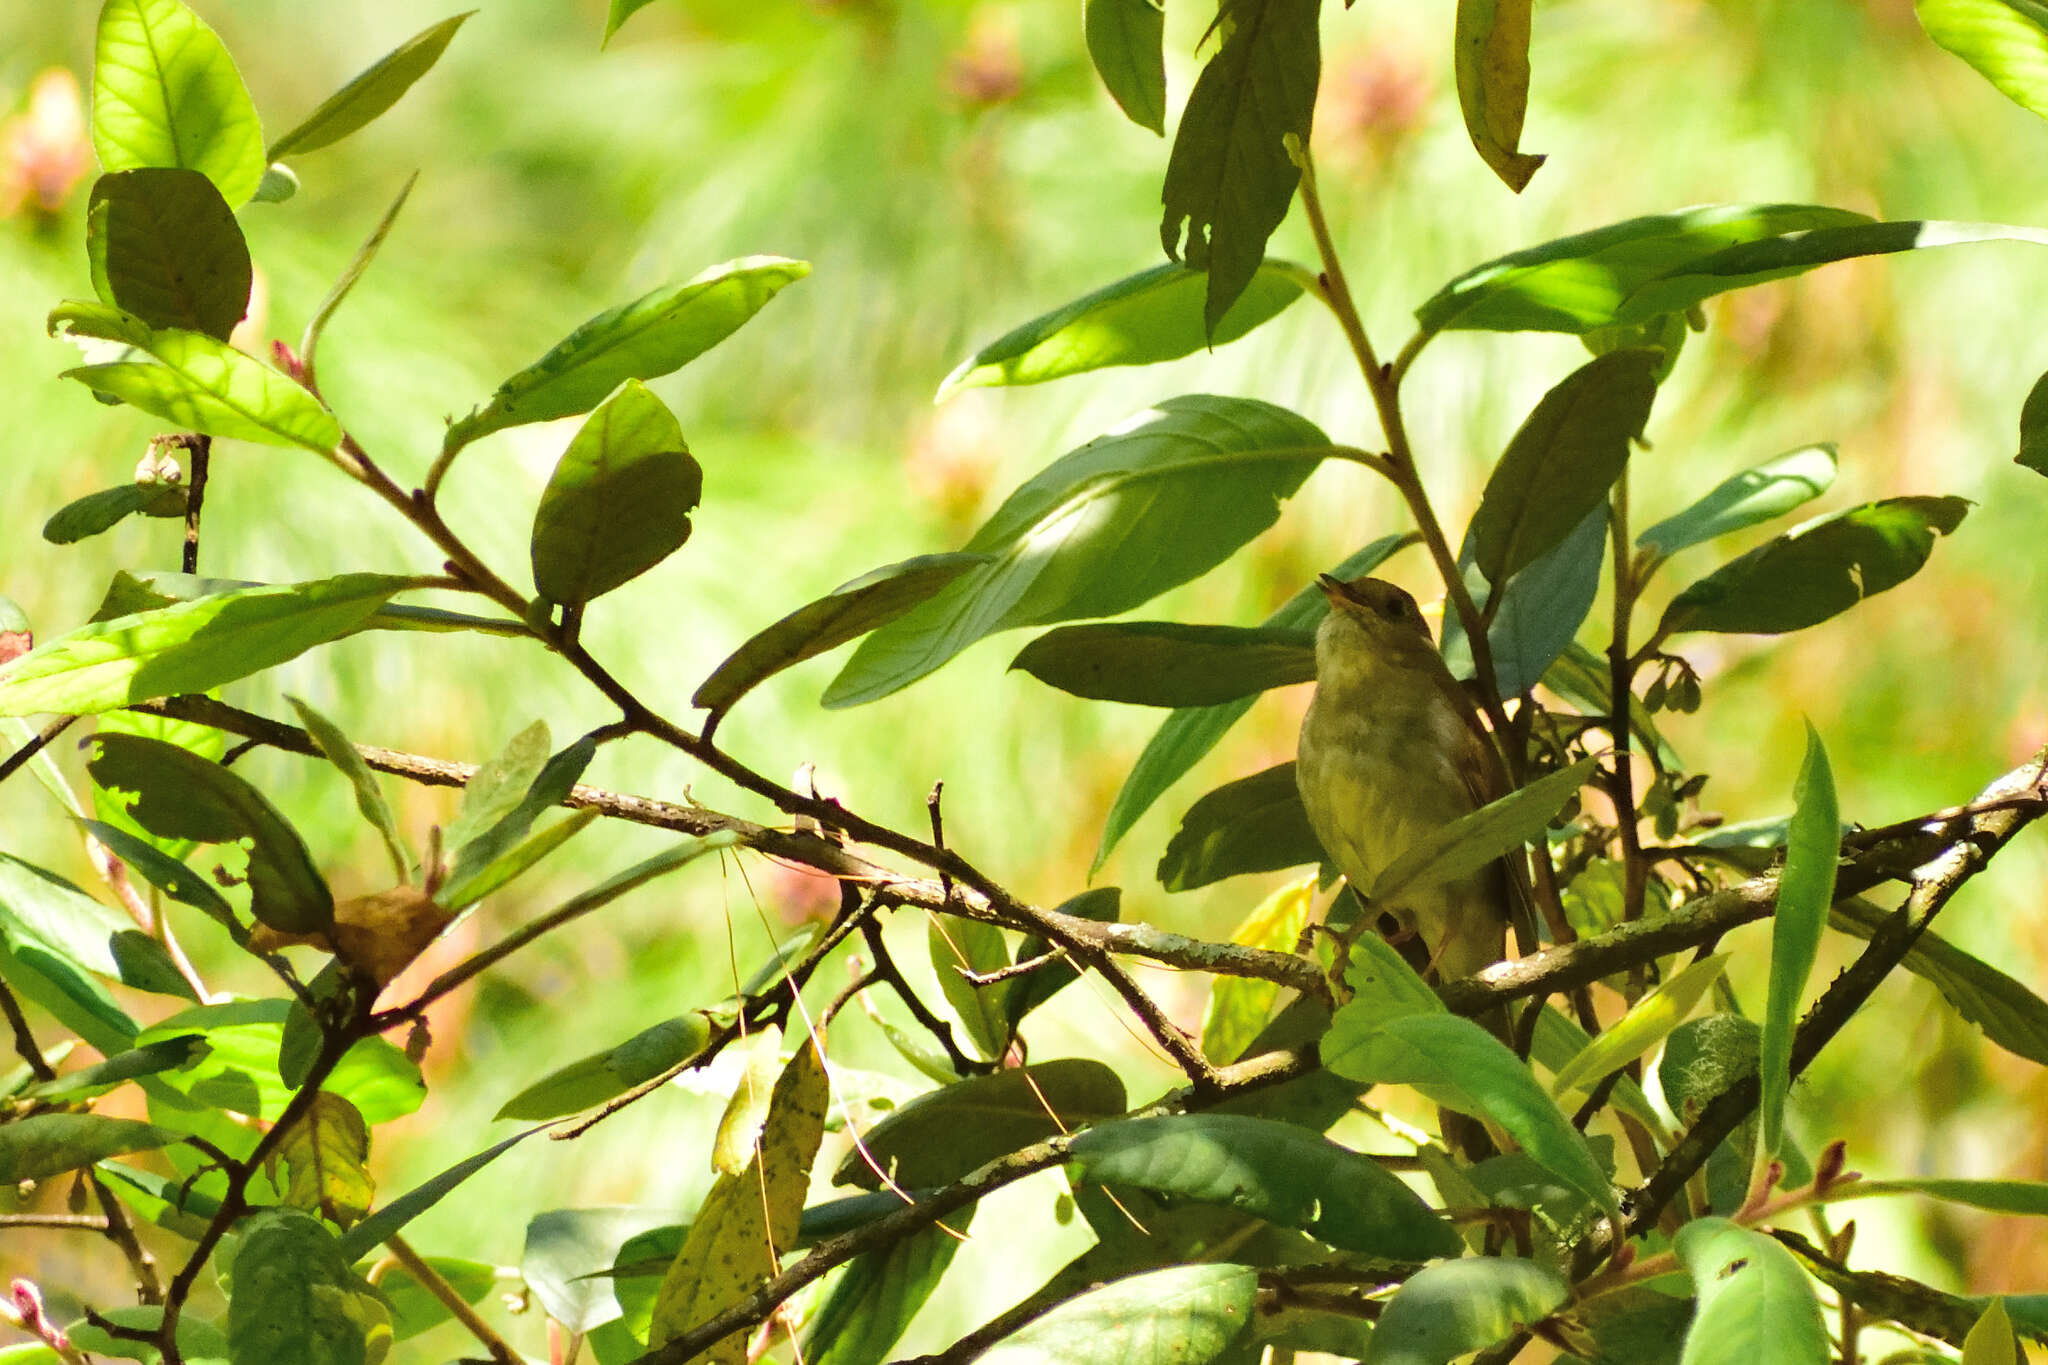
1333, 588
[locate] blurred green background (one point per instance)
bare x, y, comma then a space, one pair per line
951, 169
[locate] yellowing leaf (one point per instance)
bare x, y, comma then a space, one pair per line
325, 1158
1239, 1005
1648, 1022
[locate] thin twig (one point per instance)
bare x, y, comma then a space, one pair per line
886, 970
16, 760
24, 1039
201, 450
458, 1307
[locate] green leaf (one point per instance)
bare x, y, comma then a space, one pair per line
2010, 1014
1543, 607
1756, 1306
1470, 842
41, 912
563, 1249
514, 862
1142, 319
621, 11
2006, 41
1450, 1310
1817, 570
375, 90
937, 1138
1750, 498
1459, 1064
2019, 1198
477, 854
1165, 497
1560, 464
369, 796
1279, 1172
316, 326
295, 1298
1648, 1022
167, 1055
1127, 44
43, 1145
1103, 904
499, 785
165, 246
749, 1216
879, 1292
1230, 178
37, 972
166, 93
373, 1230
957, 944
129, 593
1491, 61
1255, 824
199, 1341
1184, 1315
1184, 737
619, 501
279, 184
179, 795
414, 1307
199, 384
1239, 1006
325, 1157
239, 1072
2034, 428
1559, 1039
97, 512
1163, 663
167, 1203
1991, 1341
188, 647
601, 1076
1805, 890
654, 335
847, 612
1383, 986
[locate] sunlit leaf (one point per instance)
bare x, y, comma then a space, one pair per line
239, 1071
480, 854
196, 383
1126, 42
1255, 824
1470, 842
1542, 609
959, 945
166, 93
1756, 1306
199, 1341
1161, 499
415, 1308
42, 914
1750, 498
619, 501
652, 336
1805, 890
2006, 1009
165, 246
848, 612
1817, 570
499, 784
1240, 1005
85, 1082
43, 1145
1164, 663
1648, 1022
1279, 1172
374, 90
295, 1297
396, 1214
937, 1138
1559, 1039
1990, 1341
621, 11
1230, 179
592, 1080
1491, 61
325, 1157
97, 512
1559, 465
1449, 1310
1142, 319
1184, 1315
369, 796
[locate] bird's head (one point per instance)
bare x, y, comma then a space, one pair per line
1372, 625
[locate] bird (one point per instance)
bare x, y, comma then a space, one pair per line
1389, 753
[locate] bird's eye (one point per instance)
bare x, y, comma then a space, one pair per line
1395, 609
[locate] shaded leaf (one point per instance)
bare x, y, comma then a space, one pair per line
240, 1069
1185, 1315
1558, 467
165, 246
178, 794
373, 91
1240, 1005
373, 1230
1817, 570
168, 1055
166, 93
415, 1308
196, 383
502, 850
199, 1341
1544, 606
1457, 1063
937, 1138
1559, 1039
594, 1079
38, 972
848, 612
1279, 1172
2020, 1198
1491, 61
1104, 904
43, 1145
963, 944
2034, 428
101, 511
1750, 498
1230, 179
2010, 1014
1470, 842
619, 501
1161, 499
325, 1156
1126, 42
1756, 1306
1255, 824
1185, 736
1648, 1022
499, 784
750, 1217
565, 1248
1164, 663
44, 916
369, 796
1450, 1310
1142, 319
879, 1292
295, 1297
1805, 890
654, 335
